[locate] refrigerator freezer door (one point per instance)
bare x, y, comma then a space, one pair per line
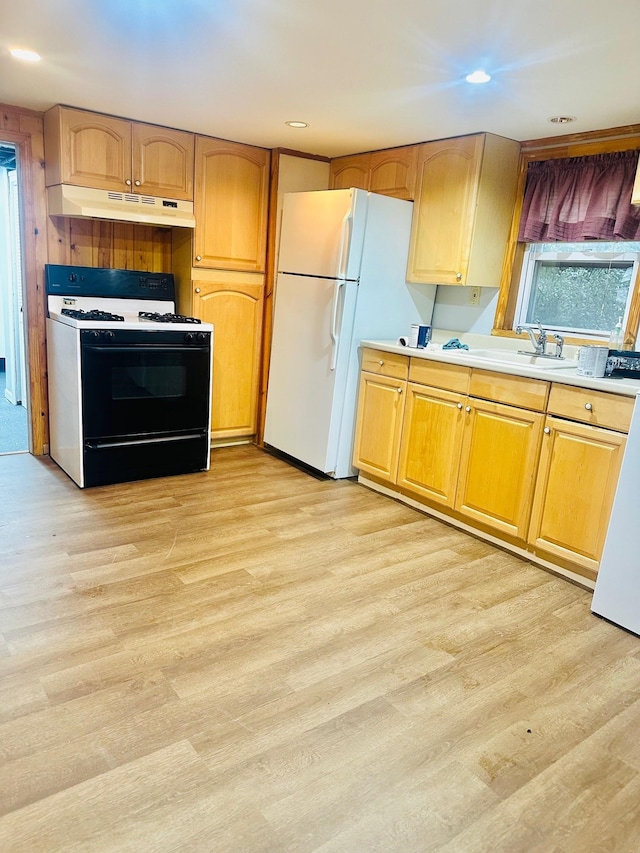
322, 233
312, 328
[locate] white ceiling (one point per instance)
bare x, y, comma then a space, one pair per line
365, 74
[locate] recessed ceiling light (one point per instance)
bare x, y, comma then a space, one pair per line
25, 55
297, 123
562, 119
478, 76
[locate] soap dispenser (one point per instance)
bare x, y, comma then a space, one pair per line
616, 339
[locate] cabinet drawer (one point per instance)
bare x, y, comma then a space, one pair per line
512, 390
450, 377
591, 407
385, 363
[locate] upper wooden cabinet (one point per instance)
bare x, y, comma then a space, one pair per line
91, 150
388, 172
231, 205
465, 194
351, 171
393, 172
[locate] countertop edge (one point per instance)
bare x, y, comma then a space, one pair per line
568, 376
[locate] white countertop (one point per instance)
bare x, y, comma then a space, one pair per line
564, 376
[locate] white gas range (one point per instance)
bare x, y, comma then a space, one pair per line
129, 380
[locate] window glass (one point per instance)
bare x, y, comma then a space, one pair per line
579, 288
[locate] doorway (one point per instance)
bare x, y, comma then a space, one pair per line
14, 429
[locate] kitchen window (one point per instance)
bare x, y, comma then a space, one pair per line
580, 289
573, 256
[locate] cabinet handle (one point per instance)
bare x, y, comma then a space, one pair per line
467, 408
458, 276
197, 290
128, 182
459, 405
198, 257
381, 362
547, 430
138, 183
588, 407
399, 390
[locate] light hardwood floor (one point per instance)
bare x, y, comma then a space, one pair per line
255, 660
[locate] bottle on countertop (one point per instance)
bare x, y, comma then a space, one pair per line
616, 339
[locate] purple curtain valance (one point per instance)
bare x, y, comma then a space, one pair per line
581, 198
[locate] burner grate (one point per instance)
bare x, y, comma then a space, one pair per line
166, 318
95, 314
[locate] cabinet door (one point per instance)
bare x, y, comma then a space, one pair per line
498, 463
231, 197
393, 172
88, 150
577, 479
351, 171
162, 161
236, 313
379, 425
444, 213
431, 441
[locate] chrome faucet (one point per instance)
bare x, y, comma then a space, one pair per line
539, 344
559, 344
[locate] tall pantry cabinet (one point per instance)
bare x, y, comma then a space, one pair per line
222, 274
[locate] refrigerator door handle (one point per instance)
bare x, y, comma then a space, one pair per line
345, 241
333, 332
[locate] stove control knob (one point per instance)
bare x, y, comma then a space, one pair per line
109, 336
202, 337
95, 336
189, 337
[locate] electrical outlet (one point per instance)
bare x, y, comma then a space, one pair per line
474, 296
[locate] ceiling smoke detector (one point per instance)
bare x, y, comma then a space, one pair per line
562, 119
296, 123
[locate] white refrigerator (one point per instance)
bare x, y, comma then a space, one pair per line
617, 592
341, 278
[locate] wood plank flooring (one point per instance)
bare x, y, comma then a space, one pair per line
252, 660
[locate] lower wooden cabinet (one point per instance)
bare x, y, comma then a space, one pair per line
379, 425
475, 456
577, 479
533, 462
236, 313
432, 438
497, 465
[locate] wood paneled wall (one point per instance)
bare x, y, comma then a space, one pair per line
24, 129
115, 245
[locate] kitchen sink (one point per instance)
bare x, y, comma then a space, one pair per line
521, 359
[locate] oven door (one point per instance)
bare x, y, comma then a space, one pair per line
142, 390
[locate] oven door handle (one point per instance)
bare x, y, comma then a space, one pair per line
101, 445
142, 347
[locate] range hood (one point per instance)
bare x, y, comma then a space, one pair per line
86, 203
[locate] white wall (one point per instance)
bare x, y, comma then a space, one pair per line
299, 175
453, 309
5, 260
